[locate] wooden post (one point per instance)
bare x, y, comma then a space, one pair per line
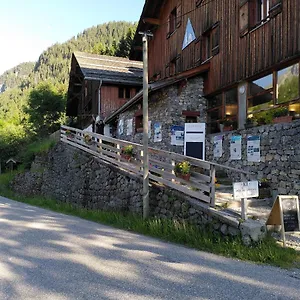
212, 185
145, 129
244, 203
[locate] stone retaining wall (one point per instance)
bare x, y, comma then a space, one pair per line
70, 175
280, 155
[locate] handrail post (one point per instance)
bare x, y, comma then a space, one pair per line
244, 202
118, 147
212, 185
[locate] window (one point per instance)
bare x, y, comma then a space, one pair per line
255, 12
138, 121
262, 9
211, 40
220, 108
261, 94
278, 89
124, 93
190, 119
173, 17
288, 84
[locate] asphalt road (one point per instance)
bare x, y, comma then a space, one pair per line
45, 255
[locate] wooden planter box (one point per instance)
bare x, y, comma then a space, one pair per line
183, 176
126, 156
283, 119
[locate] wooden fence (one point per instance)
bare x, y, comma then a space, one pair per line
200, 185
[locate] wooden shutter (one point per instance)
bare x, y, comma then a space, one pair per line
178, 64
179, 15
244, 17
198, 55
167, 74
169, 27
215, 39
275, 8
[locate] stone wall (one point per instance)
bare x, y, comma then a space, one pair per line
72, 176
280, 155
166, 107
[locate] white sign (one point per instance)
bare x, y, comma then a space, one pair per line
218, 148
253, 148
236, 147
194, 140
245, 189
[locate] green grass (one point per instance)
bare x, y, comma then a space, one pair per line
37, 147
267, 252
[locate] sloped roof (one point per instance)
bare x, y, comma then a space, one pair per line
109, 69
152, 9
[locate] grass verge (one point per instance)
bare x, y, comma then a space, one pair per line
267, 252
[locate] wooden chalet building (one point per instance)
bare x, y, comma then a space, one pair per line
99, 85
218, 61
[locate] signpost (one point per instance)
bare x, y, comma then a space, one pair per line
285, 212
243, 191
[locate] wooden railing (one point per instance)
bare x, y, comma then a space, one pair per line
201, 184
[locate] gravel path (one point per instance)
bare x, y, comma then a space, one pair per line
45, 255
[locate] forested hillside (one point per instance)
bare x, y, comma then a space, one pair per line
53, 64
28, 83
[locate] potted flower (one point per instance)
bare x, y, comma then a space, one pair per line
87, 139
69, 134
281, 115
127, 152
183, 170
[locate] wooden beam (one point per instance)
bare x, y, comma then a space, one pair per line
151, 21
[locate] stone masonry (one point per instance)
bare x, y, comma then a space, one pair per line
280, 155
72, 176
166, 107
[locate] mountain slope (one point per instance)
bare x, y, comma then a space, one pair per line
54, 63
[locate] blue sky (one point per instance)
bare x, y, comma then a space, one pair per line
30, 26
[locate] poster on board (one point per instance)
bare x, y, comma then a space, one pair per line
218, 146
236, 147
253, 148
129, 126
177, 135
157, 132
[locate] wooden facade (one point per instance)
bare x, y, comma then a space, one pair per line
98, 79
239, 44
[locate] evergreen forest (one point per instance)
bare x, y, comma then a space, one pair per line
33, 94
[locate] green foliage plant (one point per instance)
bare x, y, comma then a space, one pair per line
280, 112
183, 168
128, 150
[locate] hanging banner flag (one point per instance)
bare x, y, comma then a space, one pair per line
157, 132
129, 126
121, 126
253, 148
236, 147
218, 147
177, 135
189, 36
